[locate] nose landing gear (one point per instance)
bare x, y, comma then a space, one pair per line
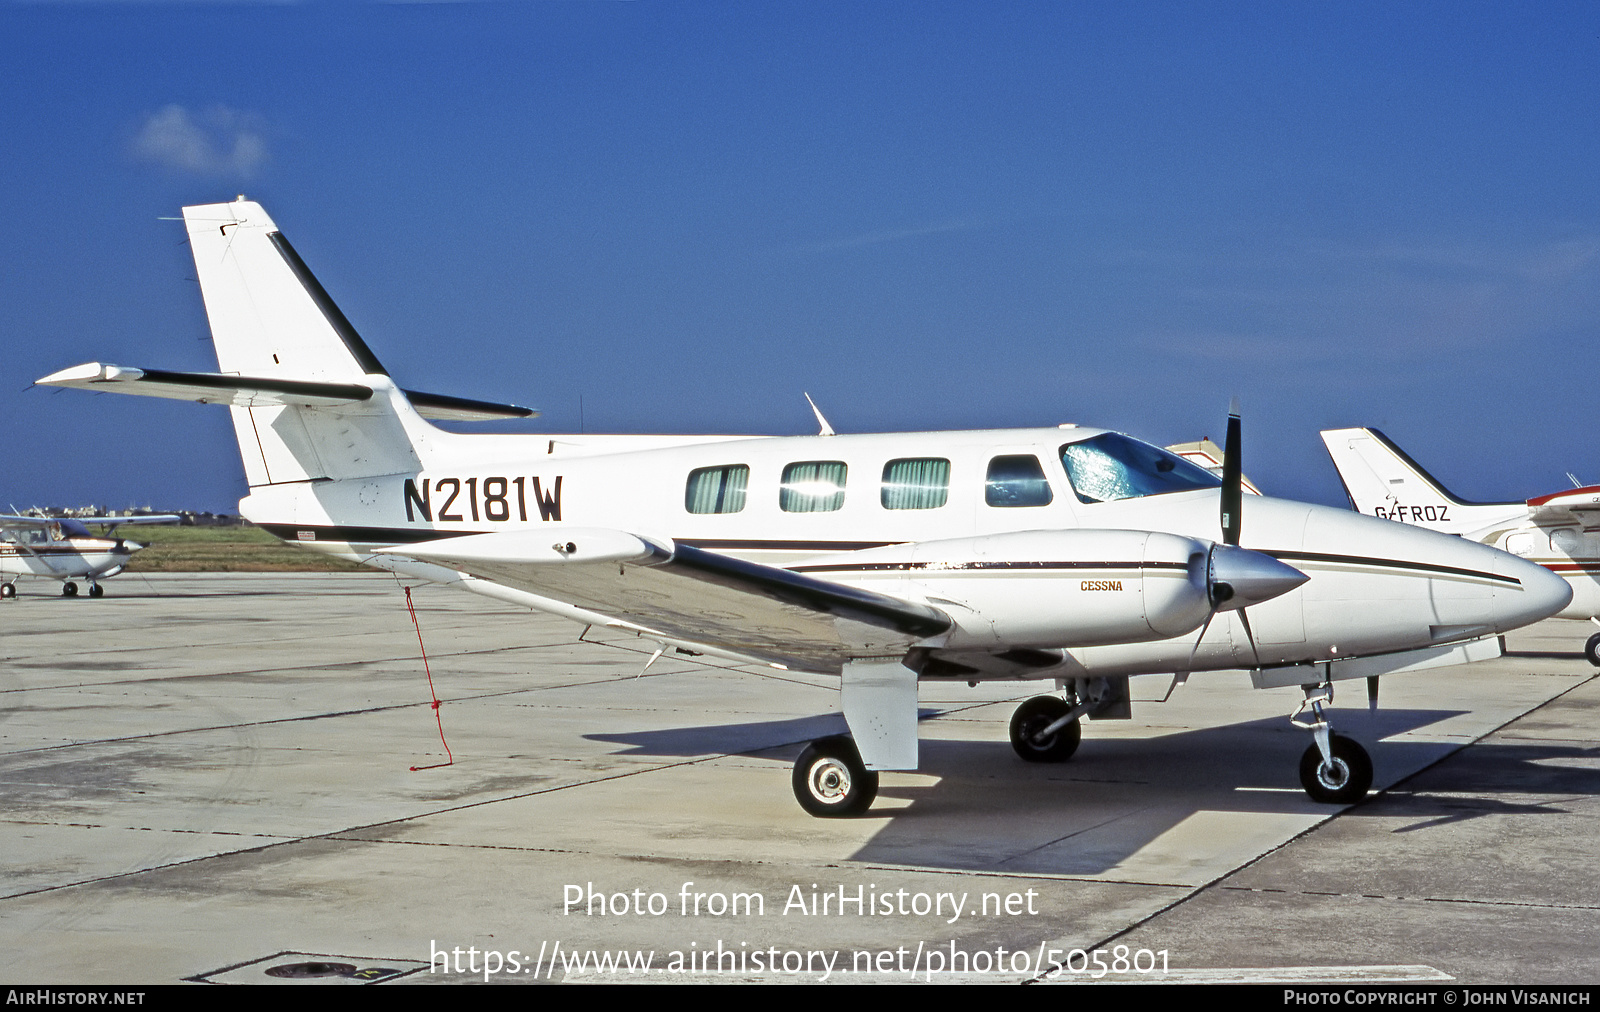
1335, 770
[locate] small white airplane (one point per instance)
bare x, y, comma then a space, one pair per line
1075, 554
62, 548
1559, 531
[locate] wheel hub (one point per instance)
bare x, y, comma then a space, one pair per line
1333, 775
830, 781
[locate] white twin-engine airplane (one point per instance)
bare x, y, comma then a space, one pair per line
1559, 531
62, 548
1069, 553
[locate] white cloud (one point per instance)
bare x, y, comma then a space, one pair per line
217, 141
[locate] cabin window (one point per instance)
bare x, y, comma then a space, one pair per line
717, 489
916, 483
815, 486
1016, 481
1112, 466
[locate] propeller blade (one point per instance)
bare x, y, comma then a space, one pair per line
1232, 479
1244, 618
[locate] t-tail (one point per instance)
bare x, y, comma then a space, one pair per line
310, 401
1382, 481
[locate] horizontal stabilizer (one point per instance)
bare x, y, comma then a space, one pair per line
263, 391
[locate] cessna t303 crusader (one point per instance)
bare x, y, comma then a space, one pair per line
1075, 554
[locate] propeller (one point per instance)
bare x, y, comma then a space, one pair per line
1237, 576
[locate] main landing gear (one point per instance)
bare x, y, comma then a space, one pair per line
1045, 730
831, 781
8, 590
1335, 770
1591, 650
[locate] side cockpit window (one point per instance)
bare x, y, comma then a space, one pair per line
815, 486
1016, 480
717, 489
921, 483
1112, 466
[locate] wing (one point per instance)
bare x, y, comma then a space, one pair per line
262, 391
1576, 506
695, 596
9, 522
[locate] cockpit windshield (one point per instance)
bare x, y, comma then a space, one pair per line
1112, 466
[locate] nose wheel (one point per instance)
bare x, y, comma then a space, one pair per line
1342, 779
1335, 770
831, 781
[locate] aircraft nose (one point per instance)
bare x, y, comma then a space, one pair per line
1542, 593
1240, 577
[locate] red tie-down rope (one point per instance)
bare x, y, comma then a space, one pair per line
436, 704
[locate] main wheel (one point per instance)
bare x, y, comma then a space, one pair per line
831, 781
69, 590
1034, 716
8, 590
95, 590
1591, 650
1345, 780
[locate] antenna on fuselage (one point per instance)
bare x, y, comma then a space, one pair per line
827, 430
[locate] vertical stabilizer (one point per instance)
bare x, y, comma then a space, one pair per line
1382, 481
271, 318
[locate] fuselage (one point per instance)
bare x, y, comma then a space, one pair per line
65, 558
857, 509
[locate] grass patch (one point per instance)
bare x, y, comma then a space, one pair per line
243, 549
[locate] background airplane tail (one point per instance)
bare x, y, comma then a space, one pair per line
1382, 481
272, 320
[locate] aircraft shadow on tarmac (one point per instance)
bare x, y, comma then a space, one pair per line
988, 809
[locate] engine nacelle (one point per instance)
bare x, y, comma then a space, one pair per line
1066, 588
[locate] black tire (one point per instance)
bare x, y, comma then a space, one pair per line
1034, 716
8, 590
97, 591
1591, 650
69, 590
831, 781
1349, 779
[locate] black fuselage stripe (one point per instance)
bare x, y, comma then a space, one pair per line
361, 535
1362, 560
883, 567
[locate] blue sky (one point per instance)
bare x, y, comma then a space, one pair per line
929, 215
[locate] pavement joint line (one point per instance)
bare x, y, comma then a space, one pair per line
1078, 832
247, 672
309, 716
1531, 904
